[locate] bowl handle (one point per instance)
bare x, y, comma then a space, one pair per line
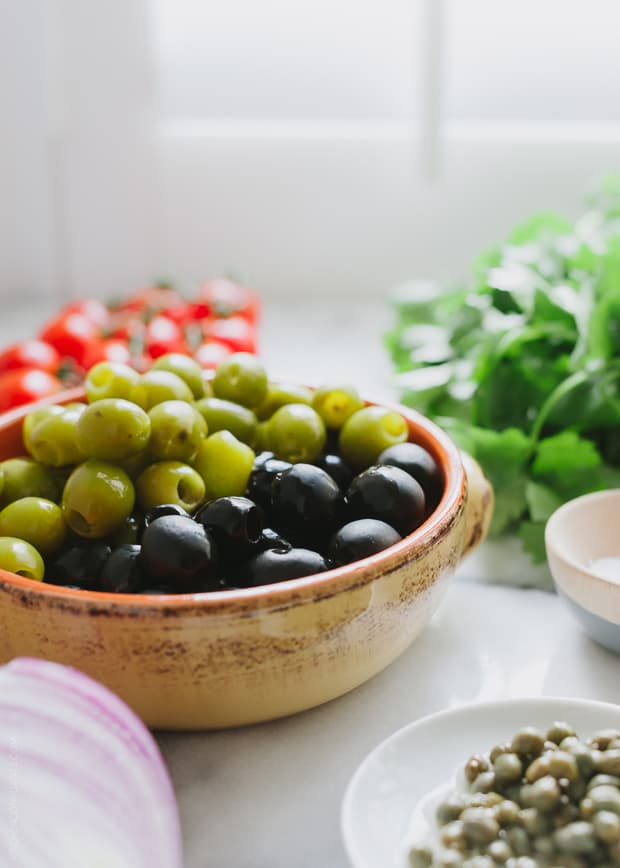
478, 506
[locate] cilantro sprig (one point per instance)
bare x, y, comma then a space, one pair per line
522, 366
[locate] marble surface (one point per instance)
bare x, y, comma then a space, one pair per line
269, 796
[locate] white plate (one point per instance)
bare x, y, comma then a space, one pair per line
386, 787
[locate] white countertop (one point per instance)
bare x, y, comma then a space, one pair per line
269, 796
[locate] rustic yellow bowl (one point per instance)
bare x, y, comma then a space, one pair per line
235, 657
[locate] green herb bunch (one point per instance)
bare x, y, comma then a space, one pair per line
522, 367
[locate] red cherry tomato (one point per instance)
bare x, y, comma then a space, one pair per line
112, 350
29, 354
235, 331
211, 353
151, 298
71, 334
92, 309
225, 298
25, 385
163, 336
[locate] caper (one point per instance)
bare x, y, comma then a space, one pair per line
545, 794
608, 762
576, 839
533, 821
498, 750
585, 760
602, 739
449, 859
519, 840
543, 845
499, 851
607, 826
484, 783
507, 813
508, 768
559, 731
528, 742
479, 862
610, 780
450, 809
474, 766
538, 769
562, 765
452, 835
575, 790
479, 826
483, 800
420, 857
605, 798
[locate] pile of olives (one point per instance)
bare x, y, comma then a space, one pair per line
539, 800
163, 482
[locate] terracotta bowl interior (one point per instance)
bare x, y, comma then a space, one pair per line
421, 430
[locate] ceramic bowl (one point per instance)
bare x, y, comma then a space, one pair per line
236, 657
578, 533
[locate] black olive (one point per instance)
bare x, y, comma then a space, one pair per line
122, 573
127, 533
387, 494
233, 520
307, 505
261, 479
79, 566
360, 539
270, 539
158, 512
179, 551
339, 471
419, 463
278, 565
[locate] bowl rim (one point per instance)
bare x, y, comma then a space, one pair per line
281, 594
596, 603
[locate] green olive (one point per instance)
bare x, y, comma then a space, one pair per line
157, 386
25, 477
368, 432
113, 429
110, 380
53, 439
177, 430
18, 556
224, 464
170, 482
35, 417
296, 433
97, 499
35, 520
336, 403
184, 367
241, 378
223, 415
278, 395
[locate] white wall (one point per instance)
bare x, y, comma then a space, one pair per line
101, 190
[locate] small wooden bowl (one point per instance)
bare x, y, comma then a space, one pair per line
579, 532
219, 659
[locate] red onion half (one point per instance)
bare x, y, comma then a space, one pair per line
82, 782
